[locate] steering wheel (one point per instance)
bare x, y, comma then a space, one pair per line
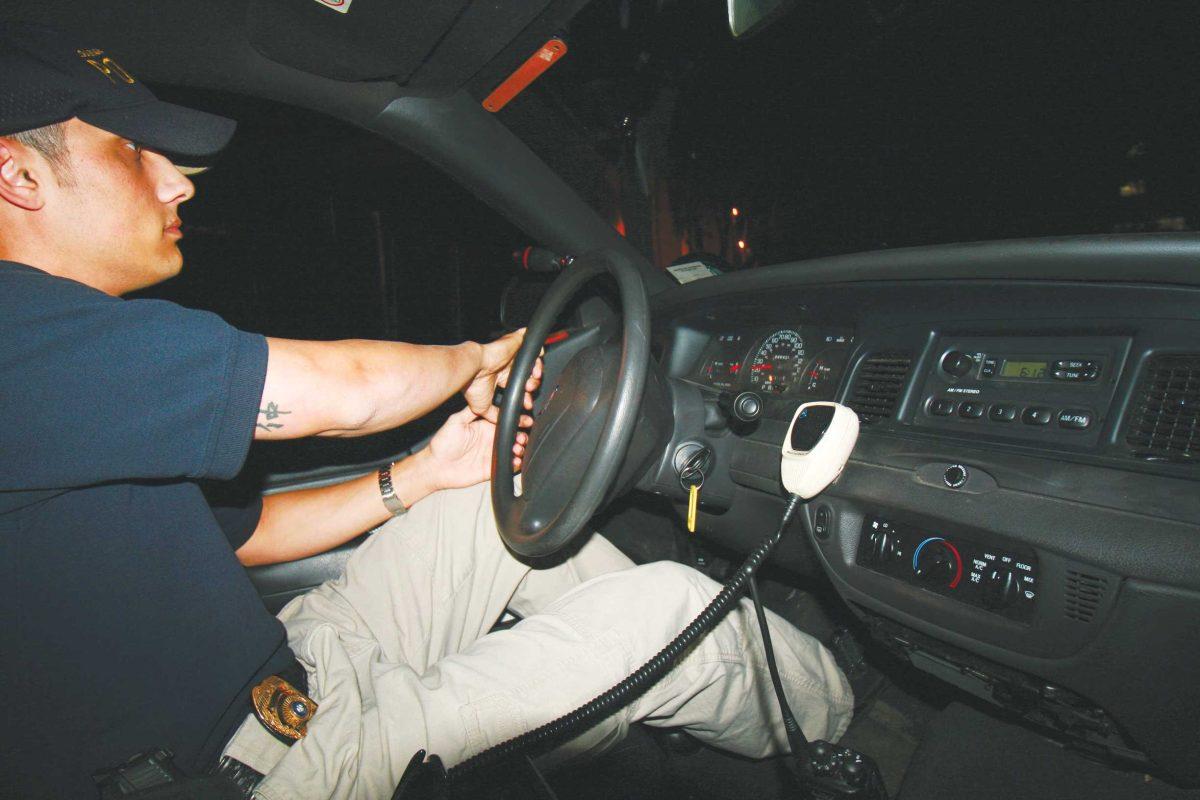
583, 423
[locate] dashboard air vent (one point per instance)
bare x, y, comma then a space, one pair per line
1165, 415
879, 385
1083, 596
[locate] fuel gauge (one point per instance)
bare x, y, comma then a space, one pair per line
820, 376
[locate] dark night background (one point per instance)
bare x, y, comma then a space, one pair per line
846, 126
858, 125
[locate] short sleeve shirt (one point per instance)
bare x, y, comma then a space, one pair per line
126, 620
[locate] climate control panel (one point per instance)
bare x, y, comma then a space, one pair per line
1002, 580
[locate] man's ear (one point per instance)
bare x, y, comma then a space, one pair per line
17, 186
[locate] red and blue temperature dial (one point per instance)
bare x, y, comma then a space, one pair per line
937, 561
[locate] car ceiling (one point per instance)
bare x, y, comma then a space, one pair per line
301, 52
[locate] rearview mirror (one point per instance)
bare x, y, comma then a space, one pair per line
750, 16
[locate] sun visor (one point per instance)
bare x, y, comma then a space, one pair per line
351, 40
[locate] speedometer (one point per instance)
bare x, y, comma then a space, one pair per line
775, 366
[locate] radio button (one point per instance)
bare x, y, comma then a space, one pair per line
1075, 419
1036, 415
990, 367
1002, 412
1070, 364
1068, 374
970, 409
941, 407
1091, 371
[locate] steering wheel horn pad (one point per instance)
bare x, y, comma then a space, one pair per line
567, 432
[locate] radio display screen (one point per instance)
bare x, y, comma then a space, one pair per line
1024, 369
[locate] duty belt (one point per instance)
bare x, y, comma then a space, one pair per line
281, 705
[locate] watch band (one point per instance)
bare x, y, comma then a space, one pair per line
388, 493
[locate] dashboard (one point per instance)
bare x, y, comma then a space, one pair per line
1021, 513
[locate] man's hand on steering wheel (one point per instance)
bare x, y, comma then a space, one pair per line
460, 453
494, 368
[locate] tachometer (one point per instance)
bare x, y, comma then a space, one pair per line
775, 366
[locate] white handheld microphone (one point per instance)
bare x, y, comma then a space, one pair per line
817, 446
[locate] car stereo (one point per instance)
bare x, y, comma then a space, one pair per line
1056, 389
1022, 367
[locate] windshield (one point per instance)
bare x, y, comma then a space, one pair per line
876, 124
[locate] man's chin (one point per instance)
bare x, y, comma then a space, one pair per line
152, 277
171, 266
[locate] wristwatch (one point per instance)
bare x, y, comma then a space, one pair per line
388, 493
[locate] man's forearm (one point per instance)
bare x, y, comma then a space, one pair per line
357, 387
309, 521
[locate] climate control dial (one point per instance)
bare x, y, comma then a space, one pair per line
1001, 587
937, 561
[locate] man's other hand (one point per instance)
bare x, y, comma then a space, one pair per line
495, 366
460, 453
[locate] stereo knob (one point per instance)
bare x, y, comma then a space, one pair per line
957, 363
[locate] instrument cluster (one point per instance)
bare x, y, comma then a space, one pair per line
777, 363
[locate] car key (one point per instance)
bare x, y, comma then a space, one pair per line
692, 480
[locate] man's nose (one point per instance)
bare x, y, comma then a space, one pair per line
173, 185
180, 189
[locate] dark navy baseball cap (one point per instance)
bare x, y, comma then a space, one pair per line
50, 77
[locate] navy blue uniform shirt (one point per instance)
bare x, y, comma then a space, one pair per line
126, 620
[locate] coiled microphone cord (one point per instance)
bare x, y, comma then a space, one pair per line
576, 722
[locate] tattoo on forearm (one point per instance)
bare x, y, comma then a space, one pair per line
268, 415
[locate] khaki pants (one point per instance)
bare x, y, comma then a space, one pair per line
399, 656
